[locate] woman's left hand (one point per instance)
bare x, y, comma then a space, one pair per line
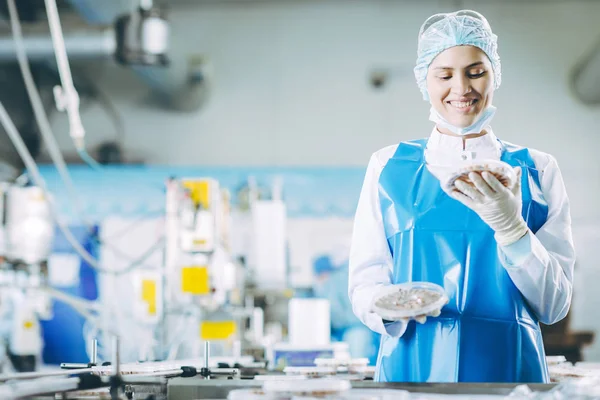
498, 206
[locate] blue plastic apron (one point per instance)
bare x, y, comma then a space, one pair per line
487, 332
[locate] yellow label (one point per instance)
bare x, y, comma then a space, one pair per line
149, 295
200, 192
194, 280
217, 330
37, 197
28, 324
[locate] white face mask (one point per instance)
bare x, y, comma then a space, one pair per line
482, 122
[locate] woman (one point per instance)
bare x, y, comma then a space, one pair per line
504, 257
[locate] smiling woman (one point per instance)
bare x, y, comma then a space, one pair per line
460, 84
497, 239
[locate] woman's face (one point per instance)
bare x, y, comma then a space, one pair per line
460, 83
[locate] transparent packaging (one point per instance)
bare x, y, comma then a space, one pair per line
409, 300
501, 170
341, 362
311, 387
311, 371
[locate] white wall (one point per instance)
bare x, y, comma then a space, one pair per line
290, 88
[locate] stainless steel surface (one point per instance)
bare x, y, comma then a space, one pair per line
198, 388
141, 380
451, 388
206, 353
233, 372
94, 358
195, 388
116, 355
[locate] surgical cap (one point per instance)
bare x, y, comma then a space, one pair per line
323, 265
442, 31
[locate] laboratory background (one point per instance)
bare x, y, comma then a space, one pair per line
179, 181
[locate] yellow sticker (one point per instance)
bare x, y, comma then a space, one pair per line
149, 295
217, 330
194, 280
28, 324
200, 192
37, 197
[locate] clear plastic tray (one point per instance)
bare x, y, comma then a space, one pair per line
365, 370
501, 170
251, 394
341, 362
555, 360
409, 300
362, 394
310, 371
310, 387
376, 394
280, 377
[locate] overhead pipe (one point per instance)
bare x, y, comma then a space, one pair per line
81, 45
585, 77
184, 85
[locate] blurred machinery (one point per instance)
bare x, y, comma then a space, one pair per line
199, 294
137, 35
205, 291
219, 288
26, 236
201, 281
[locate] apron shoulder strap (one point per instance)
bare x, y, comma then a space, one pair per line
516, 155
412, 150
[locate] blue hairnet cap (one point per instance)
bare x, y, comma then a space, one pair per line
461, 28
323, 265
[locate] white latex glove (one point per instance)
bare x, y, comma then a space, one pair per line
422, 318
419, 318
497, 206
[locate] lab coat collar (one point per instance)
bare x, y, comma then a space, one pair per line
440, 142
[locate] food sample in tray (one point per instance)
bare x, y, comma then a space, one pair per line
341, 362
409, 300
501, 170
310, 371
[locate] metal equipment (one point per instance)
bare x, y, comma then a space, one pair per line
26, 236
139, 37
198, 272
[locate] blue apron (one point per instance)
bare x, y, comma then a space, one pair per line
487, 332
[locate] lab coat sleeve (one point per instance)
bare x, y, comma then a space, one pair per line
518, 252
541, 265
370, 258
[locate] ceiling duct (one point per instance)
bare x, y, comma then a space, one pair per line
585, 78
182, 86
136, 39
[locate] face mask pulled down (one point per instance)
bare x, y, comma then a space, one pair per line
481, 123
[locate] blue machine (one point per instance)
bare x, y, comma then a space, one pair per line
63, 335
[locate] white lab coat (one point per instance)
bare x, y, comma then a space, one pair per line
540, 265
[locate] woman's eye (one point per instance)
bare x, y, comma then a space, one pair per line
445, 78
477, 74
